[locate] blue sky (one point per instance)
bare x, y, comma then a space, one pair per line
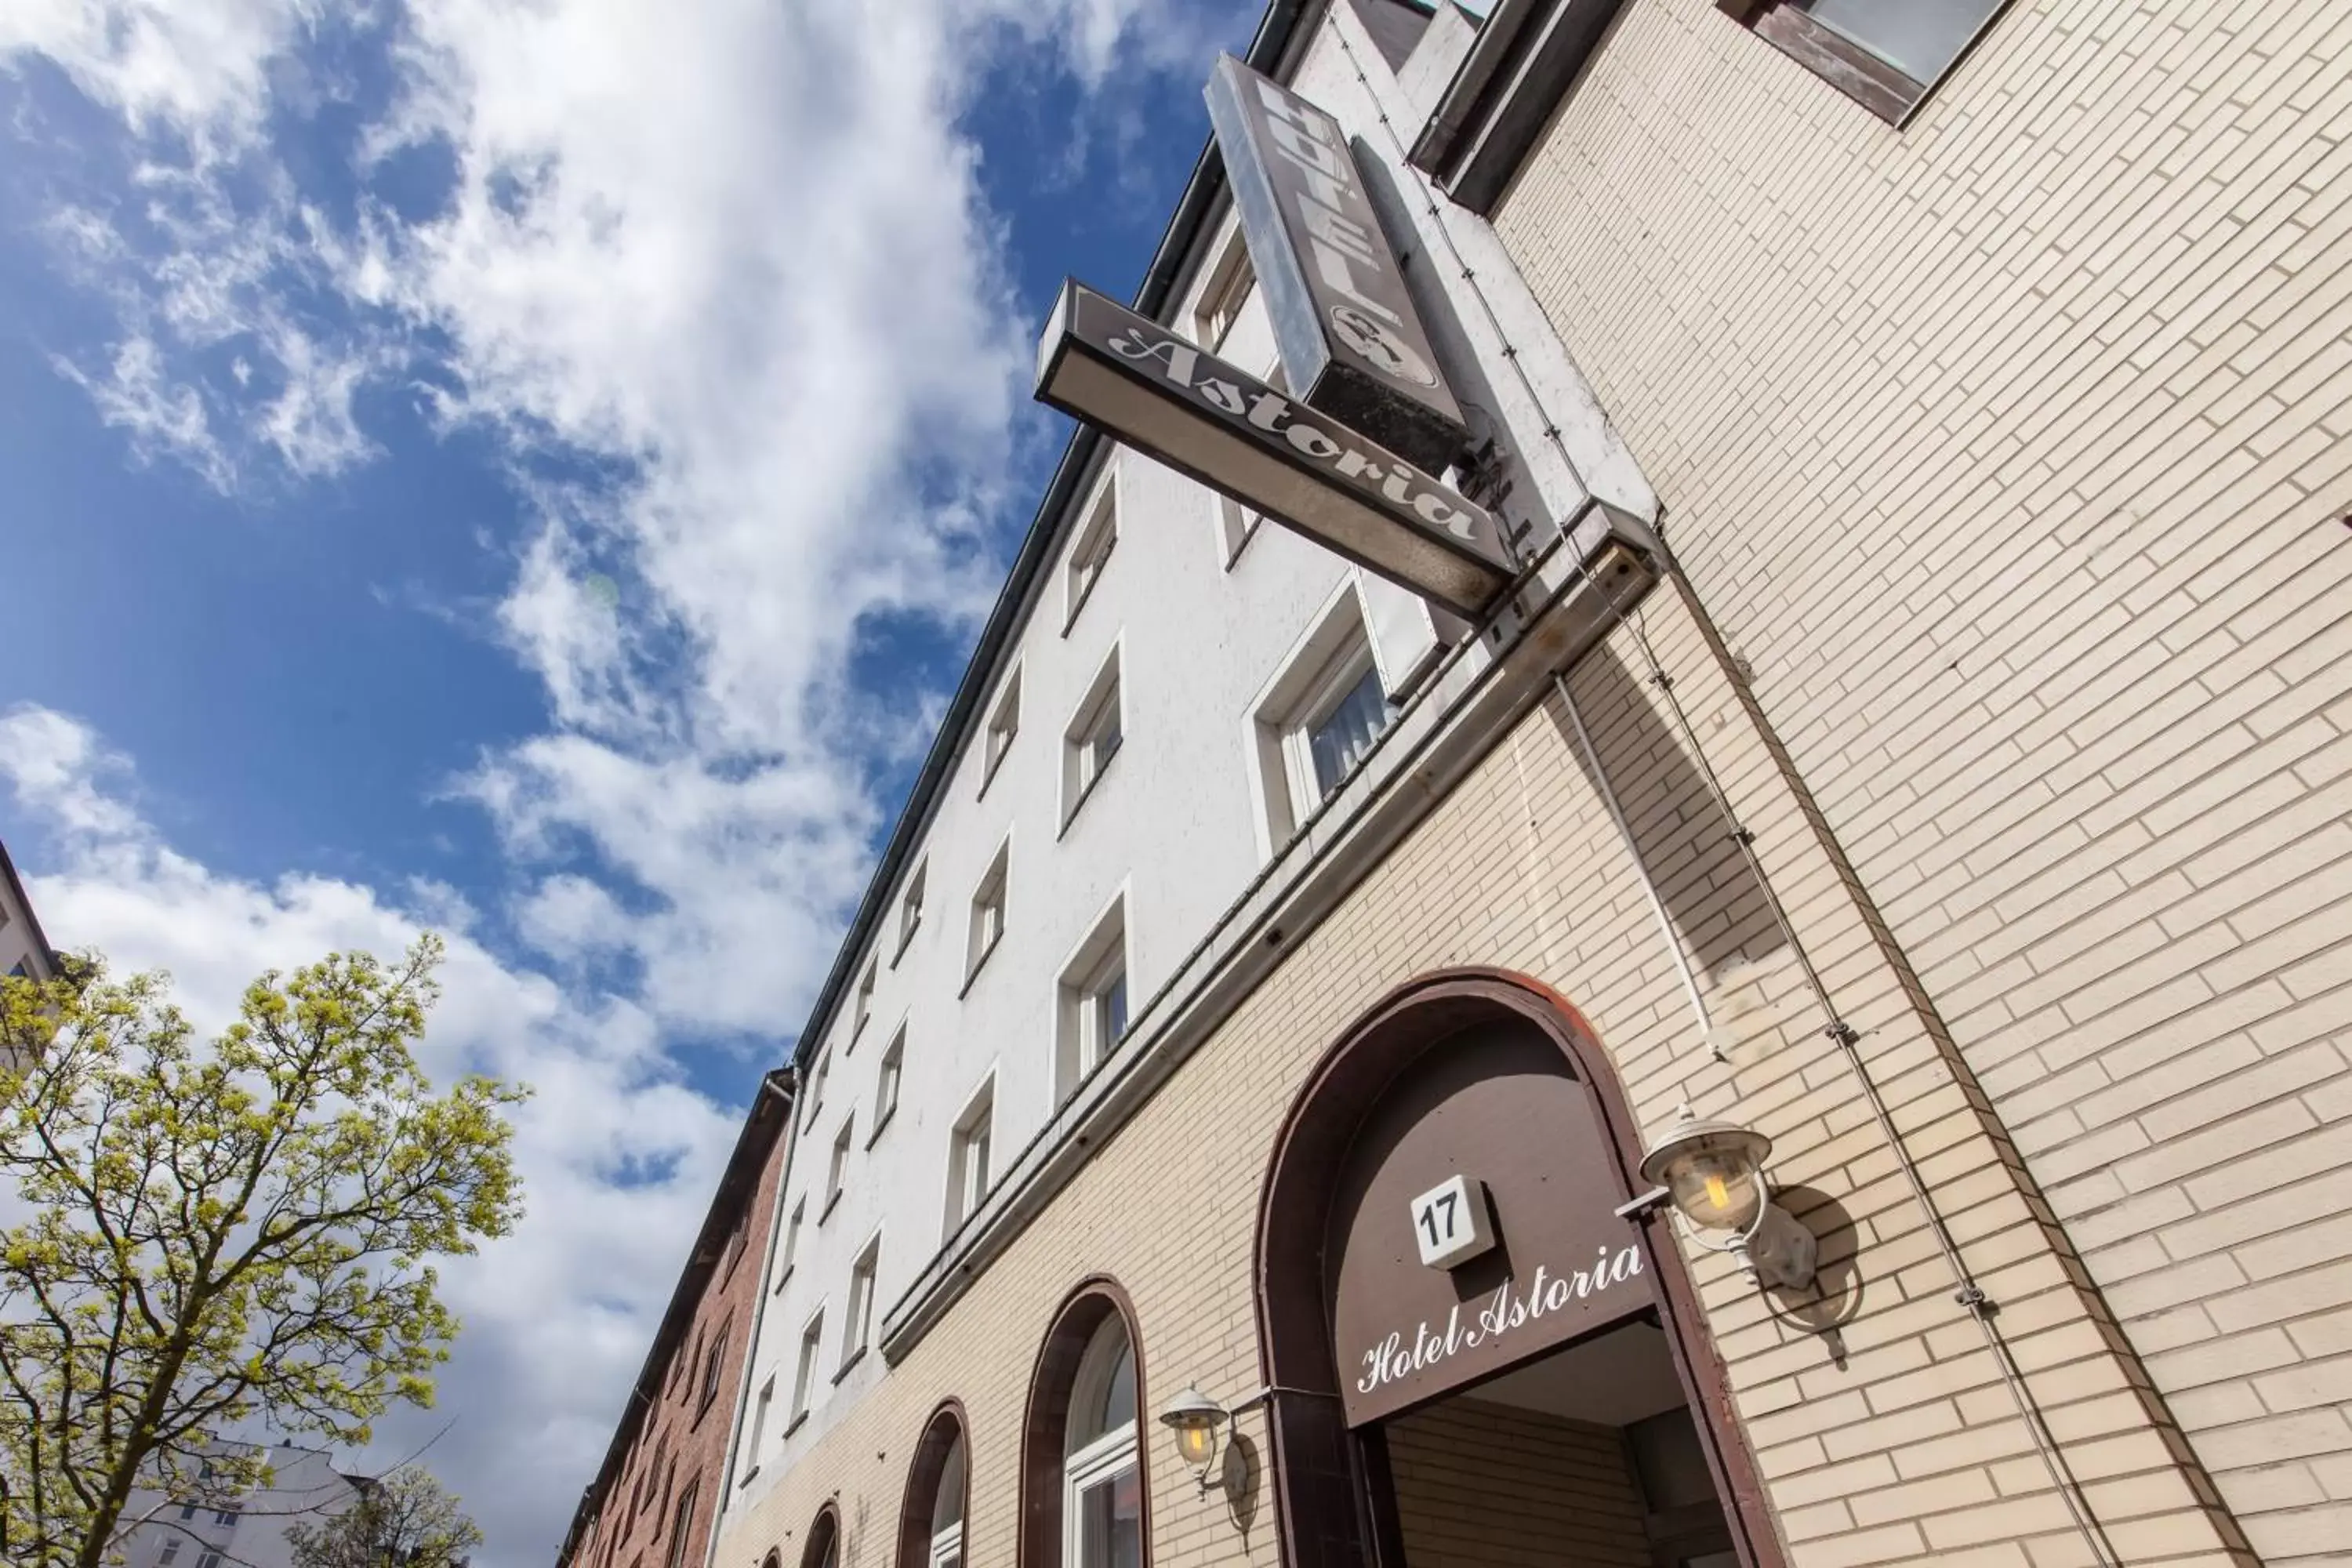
532, 470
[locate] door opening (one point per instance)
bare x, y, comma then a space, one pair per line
1587, 1457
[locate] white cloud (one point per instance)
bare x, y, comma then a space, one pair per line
731, 260
618, 1158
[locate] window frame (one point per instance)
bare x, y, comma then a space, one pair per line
1101, 712
1883, 89
1339, 679
858, 1317
681, 1522
863, 1002
837, 1169
819, 1071
1317, 671
1079, 1052
810, 1350
1091, 546
1004, 727
888, 1078
1107, 1455
975, 1129
787, 1248
1225, 292
713, 1372
756, 1435
910, 909
988, 908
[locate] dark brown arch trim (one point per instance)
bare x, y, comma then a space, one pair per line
1331, 1512
1045, 1421
923, 1475
824, 1536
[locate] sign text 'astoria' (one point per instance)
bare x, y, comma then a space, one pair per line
1102, 363
1350, 339
1511, 1307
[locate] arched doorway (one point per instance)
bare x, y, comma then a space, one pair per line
1460, 1331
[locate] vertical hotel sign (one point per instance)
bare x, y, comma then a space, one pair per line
1350, 339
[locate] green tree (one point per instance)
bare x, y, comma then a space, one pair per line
201, 1234
405, 1520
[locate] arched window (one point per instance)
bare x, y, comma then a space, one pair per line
1102, 1486
824, 1548
931, 1522
946, 1512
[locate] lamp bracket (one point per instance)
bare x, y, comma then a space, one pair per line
1639, 1208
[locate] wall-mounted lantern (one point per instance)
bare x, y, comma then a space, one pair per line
1712, 1172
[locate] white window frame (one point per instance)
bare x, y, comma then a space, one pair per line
1224, 293
1237, 524
789, 1248
1099, 1463
1079, 1048
1101, 713
888, 1078
819, 1071
910, 909
759, 1431
1090, 550
947, 1539
1320, 669
804, 1367
1003, 729
971, 1180
864, 1001
857, 1326
837, 1169
988, 911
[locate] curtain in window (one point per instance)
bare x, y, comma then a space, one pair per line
1340, 741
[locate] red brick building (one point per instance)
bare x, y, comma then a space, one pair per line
653, 1498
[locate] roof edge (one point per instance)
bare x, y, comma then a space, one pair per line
48, 955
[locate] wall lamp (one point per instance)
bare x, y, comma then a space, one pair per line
1198, 1421
1712, 1172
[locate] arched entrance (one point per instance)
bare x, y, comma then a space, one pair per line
1445, 1291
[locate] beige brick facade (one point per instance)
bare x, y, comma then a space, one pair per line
1895, 1442
2009, 451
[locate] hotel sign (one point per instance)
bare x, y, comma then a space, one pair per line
1102, 363
1350, 336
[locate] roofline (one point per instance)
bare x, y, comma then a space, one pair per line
769, 1122
1203, 194
48, 954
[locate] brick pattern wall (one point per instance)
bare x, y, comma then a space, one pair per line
2012, 452
681, 1443
1896, 1442
1487, 1486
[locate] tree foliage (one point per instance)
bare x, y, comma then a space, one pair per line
406, 1519
206, 1233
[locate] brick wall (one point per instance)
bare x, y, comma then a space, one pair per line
1487, 1486
681, 1442
2010, 452
1899, 1442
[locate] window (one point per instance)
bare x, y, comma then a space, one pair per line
969, 1147
209, 1560
1091, 1018
1886, 54
1102, 1489
804, 1372
1093, 737
1227, 290
171, 1549
947, 1512
680, 1523
759, 1432
886, 1087
987, 912
865, 1002
1319, 719
817, 1071
791, 1243
188, 1510
228, 1516
910, 911
712, 1365
837, 1169
1091, 553
1003, 723
858, 1329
